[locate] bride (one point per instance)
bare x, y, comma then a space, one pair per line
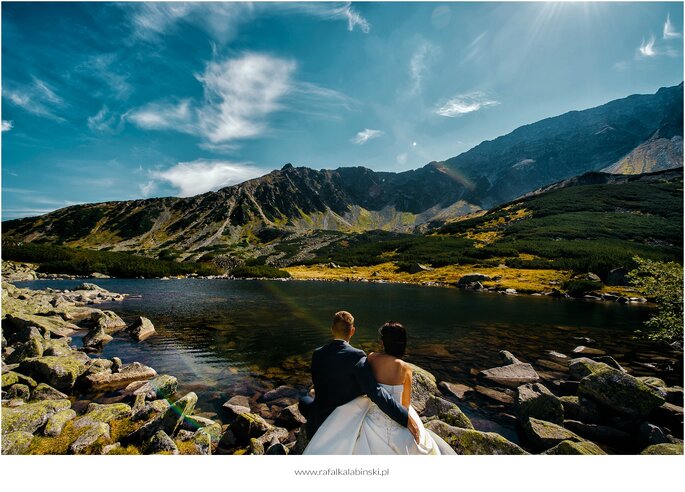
361, 427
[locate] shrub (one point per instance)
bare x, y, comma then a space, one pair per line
580, 287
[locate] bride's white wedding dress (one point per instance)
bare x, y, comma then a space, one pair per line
360, 427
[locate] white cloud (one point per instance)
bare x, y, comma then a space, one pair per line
647, 47
328, 11
104, 121
37, 98
402, 158
147, 188
149, 20
365, 135
239, 93
418, 64
7, 125
669, 29
200, 176
465, 103
164, 116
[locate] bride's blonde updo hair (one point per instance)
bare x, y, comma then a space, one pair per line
394, 338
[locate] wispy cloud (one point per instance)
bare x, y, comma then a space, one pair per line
365, 135
105, 121
239, 94
200, 176
465, 103
475, 47
105, 69
7, 125
424, 53
37, 98
647, 47
669, 29
333, 11
176, 116
150, 20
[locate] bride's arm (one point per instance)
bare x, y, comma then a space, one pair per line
406, 392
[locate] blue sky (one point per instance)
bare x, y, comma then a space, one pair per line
104, 101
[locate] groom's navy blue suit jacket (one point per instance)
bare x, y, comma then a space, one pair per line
341, 373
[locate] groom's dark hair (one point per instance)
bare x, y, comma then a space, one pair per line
394, 338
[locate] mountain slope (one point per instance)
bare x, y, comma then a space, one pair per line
296, 199
628, 135
568, 145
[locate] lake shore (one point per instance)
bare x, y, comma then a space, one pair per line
61, 399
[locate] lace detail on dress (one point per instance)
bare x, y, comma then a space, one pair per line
380, 418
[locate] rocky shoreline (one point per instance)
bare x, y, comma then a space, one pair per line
61, 399
15, 271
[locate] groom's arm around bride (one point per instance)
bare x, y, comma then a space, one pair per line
341, 373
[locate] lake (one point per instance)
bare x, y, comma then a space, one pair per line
221, 337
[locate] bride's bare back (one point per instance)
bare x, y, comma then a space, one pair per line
388, 369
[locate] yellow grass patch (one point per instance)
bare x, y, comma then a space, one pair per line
511, 278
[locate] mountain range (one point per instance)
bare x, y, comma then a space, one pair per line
637, 134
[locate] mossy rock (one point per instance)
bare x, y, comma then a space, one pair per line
653, 381
57, 422
106, 413
582, 367
473, 442
249, 425
33, 347
621, 392
574, 448
19, 392
160, 443
423, 386
91, 441
11, 377
535, 400
46, 392
545, 435
663, 449
448, 412
16, 442
59, 372
31, 416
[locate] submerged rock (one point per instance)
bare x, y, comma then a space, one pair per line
473, 442
141, 329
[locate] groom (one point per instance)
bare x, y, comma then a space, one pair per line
341, 373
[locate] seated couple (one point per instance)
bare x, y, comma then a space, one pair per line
362, 403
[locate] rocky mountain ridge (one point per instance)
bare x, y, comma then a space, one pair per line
627, 135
